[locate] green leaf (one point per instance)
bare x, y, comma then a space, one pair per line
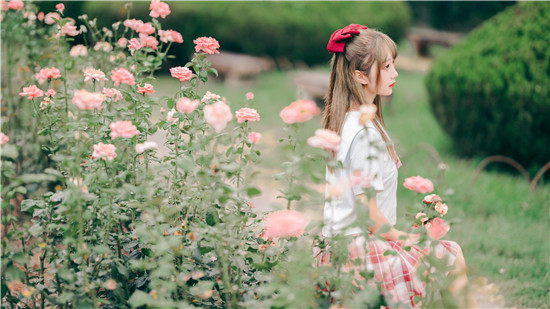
228, 152
102, 249
140, 298
31, 178
65, 297
4, 290
212, 218
21, 190
186, 164
214, 71
69, 65
53, 172
123, 270
9, 151
252, 191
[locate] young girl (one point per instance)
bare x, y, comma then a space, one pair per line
362, 71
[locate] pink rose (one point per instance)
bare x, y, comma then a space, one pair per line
50, 92
217, 115
186, 105
441, 208
418, 184
210, 96
104, 151
15, 5
87, 100
146, 29
134, 44
425, 186
112, 93
254, 137
432, 198
133, 23
32, 92
124, 129
93, 74
367, 112
170, 116
122, 76
146, 89
78, 50
437, 228
104, 46
60, 7
325, 139
181, 73
299, 111
358, 179
170, 36
122, 42
159, 9
422, 217
4, 138
285, 223
249, 96
247, 114
51, 17
79, 183
110, 285
206, 44
149, 41
49, 73
40, 16
45, 102
68, 29
140, 148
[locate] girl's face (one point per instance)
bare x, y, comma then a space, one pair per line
388, 74
385, 85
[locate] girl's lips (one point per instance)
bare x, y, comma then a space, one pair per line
392, 85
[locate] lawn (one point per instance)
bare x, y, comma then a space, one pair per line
502, 227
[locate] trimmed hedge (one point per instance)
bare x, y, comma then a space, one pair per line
297, 31
491, 92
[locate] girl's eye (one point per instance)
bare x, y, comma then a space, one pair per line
387, 66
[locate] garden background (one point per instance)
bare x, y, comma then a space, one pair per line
500, 219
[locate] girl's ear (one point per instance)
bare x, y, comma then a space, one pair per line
361, 77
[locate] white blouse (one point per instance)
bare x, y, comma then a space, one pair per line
361, 151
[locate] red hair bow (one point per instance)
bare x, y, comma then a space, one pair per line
338, 38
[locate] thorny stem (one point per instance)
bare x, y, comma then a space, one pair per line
241, 156
65, 92
291, 178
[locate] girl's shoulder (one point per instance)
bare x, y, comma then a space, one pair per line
351, 127
353, 132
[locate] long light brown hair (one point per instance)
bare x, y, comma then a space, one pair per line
370, 47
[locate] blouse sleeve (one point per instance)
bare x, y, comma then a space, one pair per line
365, 158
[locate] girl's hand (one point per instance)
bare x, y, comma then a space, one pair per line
412, 239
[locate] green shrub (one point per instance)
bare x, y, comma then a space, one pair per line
297, 31
490, 92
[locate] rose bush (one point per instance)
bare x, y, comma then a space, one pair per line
107, 221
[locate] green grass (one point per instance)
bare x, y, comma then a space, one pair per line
502, 227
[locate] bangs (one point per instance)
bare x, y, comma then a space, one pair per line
385, 47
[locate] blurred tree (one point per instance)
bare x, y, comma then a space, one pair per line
455, 15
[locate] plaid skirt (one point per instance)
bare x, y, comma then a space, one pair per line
395, 272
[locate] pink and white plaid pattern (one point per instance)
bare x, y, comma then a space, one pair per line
396, 273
